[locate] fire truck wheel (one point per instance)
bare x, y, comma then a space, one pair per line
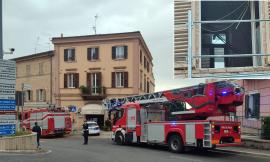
176, 144
119, 138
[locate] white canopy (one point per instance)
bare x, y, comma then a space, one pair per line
92, 109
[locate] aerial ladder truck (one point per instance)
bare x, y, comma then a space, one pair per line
179, 118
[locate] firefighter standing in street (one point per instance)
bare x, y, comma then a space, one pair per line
85, 133
37, 130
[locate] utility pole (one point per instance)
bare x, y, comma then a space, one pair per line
1, 33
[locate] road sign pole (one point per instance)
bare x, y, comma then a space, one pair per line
1, 33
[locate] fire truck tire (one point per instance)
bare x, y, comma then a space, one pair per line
176, 144
119, 138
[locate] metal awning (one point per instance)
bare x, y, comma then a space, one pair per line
92, 109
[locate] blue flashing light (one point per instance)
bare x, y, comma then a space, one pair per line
224, 92
173, 123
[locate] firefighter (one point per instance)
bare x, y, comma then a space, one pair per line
85, 133
37, 130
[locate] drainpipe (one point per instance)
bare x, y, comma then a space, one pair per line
51, 82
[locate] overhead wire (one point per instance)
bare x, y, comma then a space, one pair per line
242, 17
229, 26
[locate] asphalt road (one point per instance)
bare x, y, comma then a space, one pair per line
101, 149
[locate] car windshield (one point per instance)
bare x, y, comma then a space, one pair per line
92, 124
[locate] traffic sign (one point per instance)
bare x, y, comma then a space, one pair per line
7, 119
72, 108
7, 97
7, 107
8, 127
5, 132
7, 102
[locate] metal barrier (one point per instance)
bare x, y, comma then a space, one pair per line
190, 56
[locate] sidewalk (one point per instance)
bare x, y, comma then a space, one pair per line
243, 150
255, 142
251, 145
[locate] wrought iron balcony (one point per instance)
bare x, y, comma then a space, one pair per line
93, 93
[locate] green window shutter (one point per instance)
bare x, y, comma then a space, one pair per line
126, 52
65, 54
65, 80
89, 53
113, 53
44, 95
73, 55
125, 79
96, 53
247, 111
257, 105
113, 79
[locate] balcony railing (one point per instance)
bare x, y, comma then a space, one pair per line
93, 93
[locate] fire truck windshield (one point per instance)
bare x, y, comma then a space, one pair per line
116, 114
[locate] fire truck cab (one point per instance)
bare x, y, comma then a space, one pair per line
176, 123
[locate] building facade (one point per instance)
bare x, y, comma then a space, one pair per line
84, 70
34, 77
256, 104
112, 65
222, 38
89, 69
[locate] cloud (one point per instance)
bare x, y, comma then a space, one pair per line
29, 24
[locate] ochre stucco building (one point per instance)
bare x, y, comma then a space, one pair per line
84, 70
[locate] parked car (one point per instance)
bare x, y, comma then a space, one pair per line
93, 128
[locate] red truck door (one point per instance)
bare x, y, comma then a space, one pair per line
131, 124
143, 121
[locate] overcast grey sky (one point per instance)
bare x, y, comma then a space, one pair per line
28, 26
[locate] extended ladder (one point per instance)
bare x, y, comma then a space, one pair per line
157, 97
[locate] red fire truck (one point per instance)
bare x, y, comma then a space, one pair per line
52, 122
179, 118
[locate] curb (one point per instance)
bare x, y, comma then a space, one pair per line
26, 151
244, 152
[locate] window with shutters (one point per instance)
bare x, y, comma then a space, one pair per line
40, 65
28, 70
144, 62
141, 56
147, 66
95, 83
71, 80
252, 106
144, 83
93, 54
119, 52
147, 87
69, 55
41, 95
27, 95
120, 79
141, 80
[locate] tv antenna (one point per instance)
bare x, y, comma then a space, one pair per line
95, 25
37, 44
